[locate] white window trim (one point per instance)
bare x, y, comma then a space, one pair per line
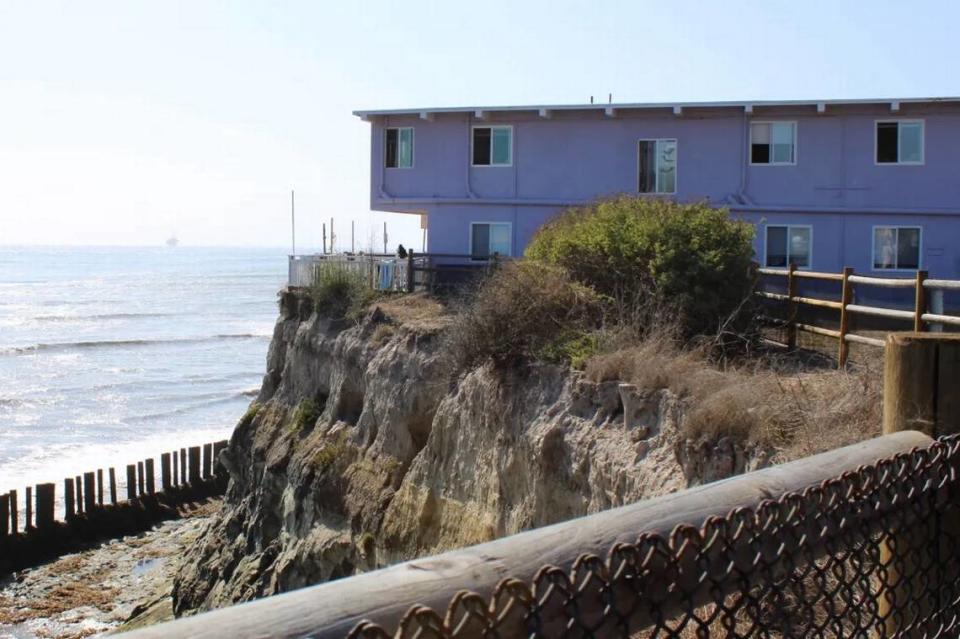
796, 151
766, 244
413, 147
472, 224
656, 172
923, 141
873, 247
491, 165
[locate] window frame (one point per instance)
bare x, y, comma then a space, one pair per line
923, 140
413, 154
656, 170
896, 269
509, 226
796, 137
491, 165
766, 245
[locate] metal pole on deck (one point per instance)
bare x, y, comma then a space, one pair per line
384, 238
332, 236
353, 247
293, 226
324, 238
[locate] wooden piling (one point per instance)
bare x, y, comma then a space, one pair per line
165, 482
14, 513
78, 489
176, 467
921, 375
89, 492
100, 487
45, 501
217, 449
113, 486
151, 485
28, 505
207, 460
4, 515
131, 481
69, 503
183, 466
140, 478
193, 468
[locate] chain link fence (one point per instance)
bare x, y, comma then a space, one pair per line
870, 553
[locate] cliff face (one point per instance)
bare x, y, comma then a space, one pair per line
360, 451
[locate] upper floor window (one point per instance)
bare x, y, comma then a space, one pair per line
788, 245
399, 148
900, 142
658, 166
773, 143
489, 238
896, 247
492, 145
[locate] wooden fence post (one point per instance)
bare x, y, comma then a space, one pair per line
69, 503
4, 515
183, 466
791, 307
140, 482
410, 281
45, 501
921, 375
89, 492
100, 487
131, 482
844, 318
165, 483
78, 490
28, 505
207, 460
113, 486
920, 303
175, 466
194, 465
148, 467
14, 513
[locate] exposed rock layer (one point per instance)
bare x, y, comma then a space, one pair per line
360, 451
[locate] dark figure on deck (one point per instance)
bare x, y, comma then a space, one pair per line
401, 252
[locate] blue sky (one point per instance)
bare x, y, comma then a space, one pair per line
124, 122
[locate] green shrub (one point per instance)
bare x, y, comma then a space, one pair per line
305, 414
340, 292
522, 312
692, 256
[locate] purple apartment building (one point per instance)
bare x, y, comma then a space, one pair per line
872, 184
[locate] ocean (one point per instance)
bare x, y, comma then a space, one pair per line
110, 355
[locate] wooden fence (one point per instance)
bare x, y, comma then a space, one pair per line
93, 505
927, 312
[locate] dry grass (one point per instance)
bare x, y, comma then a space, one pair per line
418, 311
768, 400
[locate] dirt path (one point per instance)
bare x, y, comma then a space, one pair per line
92, 592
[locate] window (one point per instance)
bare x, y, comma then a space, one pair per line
896, 247
658, 166
492, 145
490, 238
900, 142
789, 245
773, 143
399, 148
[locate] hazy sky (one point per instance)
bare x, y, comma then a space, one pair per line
123, 122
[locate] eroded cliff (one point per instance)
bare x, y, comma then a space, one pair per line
361, 451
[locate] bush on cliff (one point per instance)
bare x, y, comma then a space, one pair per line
691, 256
339, 292
524, 311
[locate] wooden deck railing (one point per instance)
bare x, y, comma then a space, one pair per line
927, 312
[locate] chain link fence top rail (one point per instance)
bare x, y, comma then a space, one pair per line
871, 553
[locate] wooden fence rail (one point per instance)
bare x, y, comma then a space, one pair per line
927, 312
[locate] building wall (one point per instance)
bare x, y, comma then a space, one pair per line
574, 157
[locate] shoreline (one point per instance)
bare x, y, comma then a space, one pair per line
120, 582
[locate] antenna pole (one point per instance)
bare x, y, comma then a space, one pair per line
324, 238
384, 238
353, 247
293, 226
332, 235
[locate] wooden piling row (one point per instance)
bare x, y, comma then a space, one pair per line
86, 494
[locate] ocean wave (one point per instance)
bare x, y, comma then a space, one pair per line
127, 343
99, 316
189, 408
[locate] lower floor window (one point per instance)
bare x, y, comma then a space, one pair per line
896, 247
788, 245
489, 238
